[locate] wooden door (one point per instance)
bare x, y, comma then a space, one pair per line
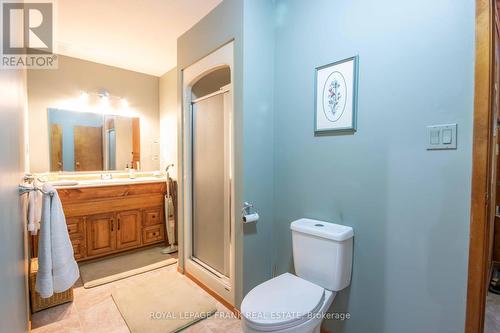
56, 145
88, 148
136, 142
485, 132
129, 229
101, 234
495, 233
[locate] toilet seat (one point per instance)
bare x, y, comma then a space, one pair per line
282, 302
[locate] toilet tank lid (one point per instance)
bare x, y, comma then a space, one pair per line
323, 229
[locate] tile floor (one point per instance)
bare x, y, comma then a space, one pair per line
93, 311
492, 320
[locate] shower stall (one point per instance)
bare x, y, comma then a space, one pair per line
210, 181
207, 171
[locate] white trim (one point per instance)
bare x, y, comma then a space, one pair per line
222, 57
223, 279
221, 286
218, 92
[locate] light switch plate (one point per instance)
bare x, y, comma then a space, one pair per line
447, 136
441, 137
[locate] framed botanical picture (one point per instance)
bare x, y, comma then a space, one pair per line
336, 97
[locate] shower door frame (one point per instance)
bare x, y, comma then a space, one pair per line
221, 285
226, 96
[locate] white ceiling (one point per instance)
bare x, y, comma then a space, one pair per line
139, 35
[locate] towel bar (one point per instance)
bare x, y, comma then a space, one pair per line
30, 179
25, 189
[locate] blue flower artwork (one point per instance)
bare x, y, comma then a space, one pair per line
336, 97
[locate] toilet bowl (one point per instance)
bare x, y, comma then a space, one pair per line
290, 303
286, 303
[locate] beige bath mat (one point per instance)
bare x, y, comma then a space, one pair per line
163, 303
111, 269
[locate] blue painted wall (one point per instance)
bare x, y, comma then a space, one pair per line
219, 27
254, 122
68, 120
258, 144
409, 207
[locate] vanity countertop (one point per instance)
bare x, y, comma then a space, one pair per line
69, 184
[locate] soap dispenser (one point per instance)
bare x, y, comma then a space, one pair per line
131, 173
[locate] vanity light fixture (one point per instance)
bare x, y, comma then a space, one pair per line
104, 96
108, 104
103, 93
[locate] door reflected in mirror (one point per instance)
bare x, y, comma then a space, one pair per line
85, 141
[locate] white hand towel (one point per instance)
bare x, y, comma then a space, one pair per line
34, 211
31, 212
57, 268
38, 209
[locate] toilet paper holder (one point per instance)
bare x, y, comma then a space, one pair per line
247, 208
248, 213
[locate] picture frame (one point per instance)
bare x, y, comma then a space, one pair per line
335, 97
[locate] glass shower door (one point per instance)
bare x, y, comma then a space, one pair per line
210, 224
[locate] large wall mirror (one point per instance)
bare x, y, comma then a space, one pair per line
85, 141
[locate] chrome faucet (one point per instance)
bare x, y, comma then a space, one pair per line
106, 176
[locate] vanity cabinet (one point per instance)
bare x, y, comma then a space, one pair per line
105, 220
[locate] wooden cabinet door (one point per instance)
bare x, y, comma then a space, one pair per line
101, 234
129, 227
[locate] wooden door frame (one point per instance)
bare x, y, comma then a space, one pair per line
479, 237
55, 148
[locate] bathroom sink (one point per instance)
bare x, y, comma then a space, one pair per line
63, 183
115, 181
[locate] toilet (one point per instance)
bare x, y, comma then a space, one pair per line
322, 255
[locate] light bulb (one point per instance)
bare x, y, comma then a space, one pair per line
84, 96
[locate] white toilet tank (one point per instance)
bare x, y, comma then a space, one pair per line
322, 253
